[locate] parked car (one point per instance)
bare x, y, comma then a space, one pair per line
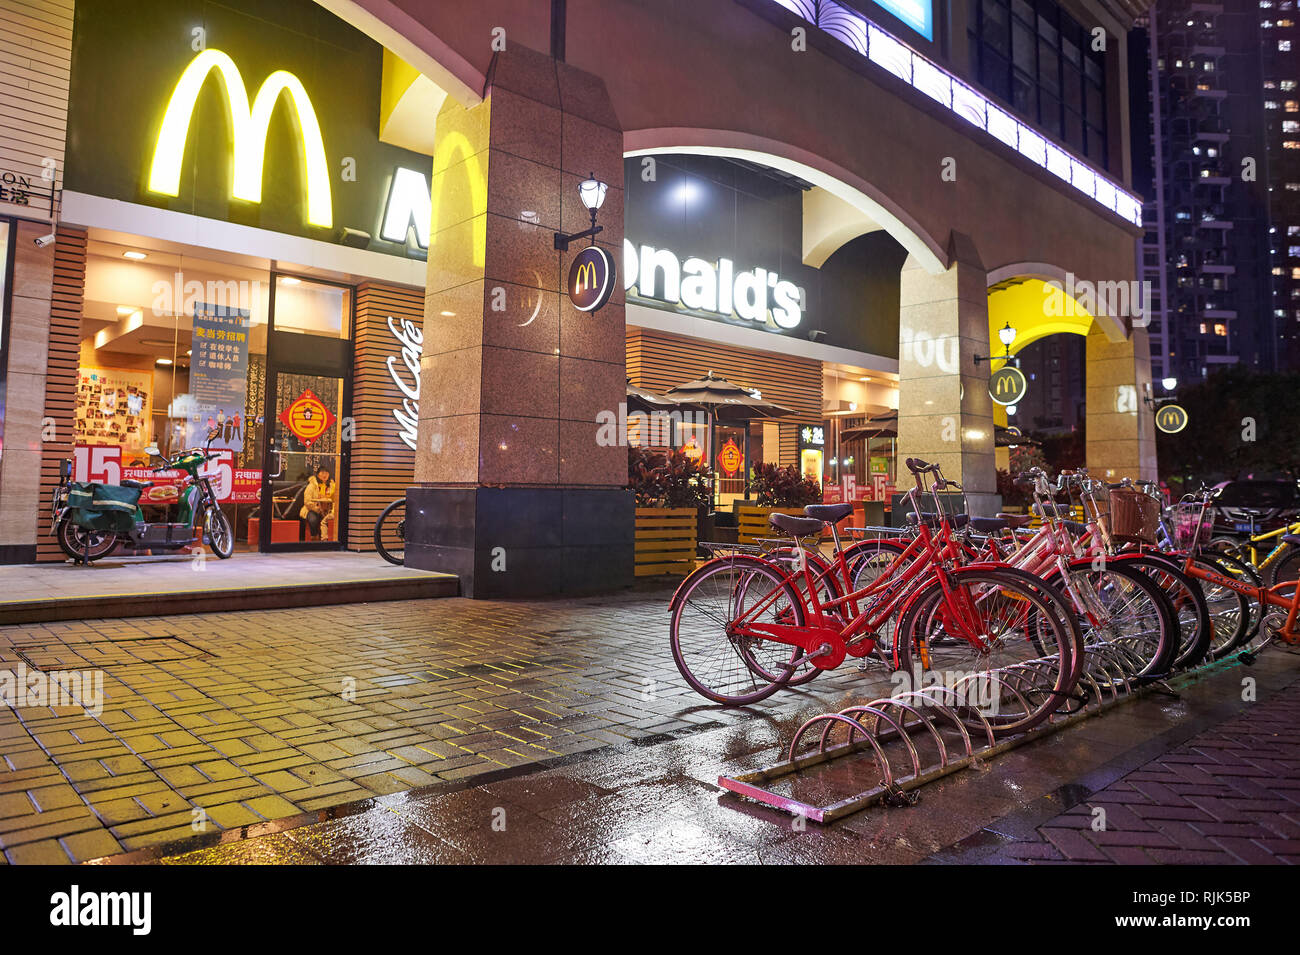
1271, 504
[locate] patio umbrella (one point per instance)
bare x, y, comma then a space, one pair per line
724, 401
883, 425
647, 402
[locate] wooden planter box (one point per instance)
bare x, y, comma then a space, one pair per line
665, 540
752, 521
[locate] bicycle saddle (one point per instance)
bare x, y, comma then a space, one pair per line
1014, 520
796, 526
988, 525
129, 482
830, 513
932, 520
1293, 539
1074, 526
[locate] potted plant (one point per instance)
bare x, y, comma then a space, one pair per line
672, 498
776, 489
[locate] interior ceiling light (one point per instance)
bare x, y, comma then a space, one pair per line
137, 256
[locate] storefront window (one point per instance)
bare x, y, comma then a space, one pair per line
173, 350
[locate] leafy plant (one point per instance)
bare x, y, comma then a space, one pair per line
776, 486
671, 479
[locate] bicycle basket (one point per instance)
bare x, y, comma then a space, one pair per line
1134, 516
1184, 519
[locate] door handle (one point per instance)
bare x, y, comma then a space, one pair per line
279, 463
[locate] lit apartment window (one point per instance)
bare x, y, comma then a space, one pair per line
1290, 144
1292, 106
1282, 24
1270, 104
1293, 251
1295, 273
1290, 126
1293, 187
1293, 230
1221, 330
1288, 84
1284, 46
1204, 328
1212, 152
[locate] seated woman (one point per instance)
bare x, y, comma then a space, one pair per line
318, 501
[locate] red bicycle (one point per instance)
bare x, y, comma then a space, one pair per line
744, 624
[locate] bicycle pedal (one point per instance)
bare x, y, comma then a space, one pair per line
897, 799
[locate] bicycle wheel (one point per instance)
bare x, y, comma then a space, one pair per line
390, 532
1235, 616
1124, 607
828, 588
718, 663
1286, 567
217, 530
868, 562
990, 620
1196, 624
72, 540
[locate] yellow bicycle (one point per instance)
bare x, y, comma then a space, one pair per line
1275, 554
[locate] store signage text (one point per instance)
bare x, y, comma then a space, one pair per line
249, 128
813, 437
15, 189
1007, 386
702, 286
410, 202
591, 279
1171, 418
411, 340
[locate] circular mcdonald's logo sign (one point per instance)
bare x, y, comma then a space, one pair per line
591, 279
1007, 386
307, 418
1171, 418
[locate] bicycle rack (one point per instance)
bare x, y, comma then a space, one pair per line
940, 722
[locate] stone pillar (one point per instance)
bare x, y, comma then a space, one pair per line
513, 492
1120, 424
945, 414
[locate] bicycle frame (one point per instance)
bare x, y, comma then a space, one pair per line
1269, 596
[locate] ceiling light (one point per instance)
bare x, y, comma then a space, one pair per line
135, 256
865, 378
163, 361
446, 314
127, 309
290, 280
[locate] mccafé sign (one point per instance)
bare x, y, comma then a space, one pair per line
406, 363
755, 295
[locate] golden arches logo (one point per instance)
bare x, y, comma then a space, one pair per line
455, 153
586, 277
249, 128
1007, 385
1171, 418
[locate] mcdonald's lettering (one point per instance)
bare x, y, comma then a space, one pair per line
591, 279
248, 127
1007, 386
1171, 418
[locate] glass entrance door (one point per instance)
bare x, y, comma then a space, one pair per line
304, 475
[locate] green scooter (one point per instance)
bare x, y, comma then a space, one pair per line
90, 520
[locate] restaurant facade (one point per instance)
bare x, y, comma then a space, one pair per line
324, 231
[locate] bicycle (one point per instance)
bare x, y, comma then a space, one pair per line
390, 532
742, 625
1276, 562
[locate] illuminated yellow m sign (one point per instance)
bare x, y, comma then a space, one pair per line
249, 128
586, 277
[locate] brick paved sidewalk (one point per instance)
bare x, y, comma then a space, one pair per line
1230, 795
259, 715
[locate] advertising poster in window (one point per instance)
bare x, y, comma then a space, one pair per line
114, 406
219, 376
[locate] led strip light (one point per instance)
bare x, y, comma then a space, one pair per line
895, 56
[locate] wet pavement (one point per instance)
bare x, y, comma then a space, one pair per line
214, 722
459, 731
659, 803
